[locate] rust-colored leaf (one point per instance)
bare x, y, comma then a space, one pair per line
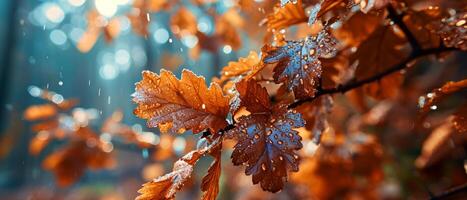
179, 105
382, 50
460, 120
435, 96
38, 112
267, 140
298, 65
165, 187
286, 16
210, 182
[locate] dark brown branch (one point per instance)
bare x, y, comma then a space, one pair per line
451, 192
398, 20
355, 84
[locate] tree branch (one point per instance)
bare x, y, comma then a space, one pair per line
398, 20
355, 84
453, 191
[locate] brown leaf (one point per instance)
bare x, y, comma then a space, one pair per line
69, 164
267, 140
435, 96
254, 97
382, 50
210, 182
183, 23
460, 120
358, 28
298, 65
439, 144
286, 16
165, 187
315, 115
182, 104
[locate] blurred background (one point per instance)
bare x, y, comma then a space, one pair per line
93, 51
68, 69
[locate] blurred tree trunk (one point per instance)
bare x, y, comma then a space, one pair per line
7, 59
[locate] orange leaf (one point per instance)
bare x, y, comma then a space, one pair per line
286, 16
40, 112
179, 105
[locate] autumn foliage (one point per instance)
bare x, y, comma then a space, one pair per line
305, 109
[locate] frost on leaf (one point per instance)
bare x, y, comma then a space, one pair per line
178, 105
210, 182
288, 15
298, 65
267, 141
247, 66
165, 187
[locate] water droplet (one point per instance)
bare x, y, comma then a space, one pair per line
263, 166
460, 22
256, 136
203, 106
281, 158
60, 83
268, 133
280, 142
433, 107
295, 156
312, 52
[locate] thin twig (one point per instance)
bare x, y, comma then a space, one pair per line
356, 84
453, 191
398, 20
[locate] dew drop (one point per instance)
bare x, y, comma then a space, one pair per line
263, 166
281, 158
312, 52
460, 22
280, 142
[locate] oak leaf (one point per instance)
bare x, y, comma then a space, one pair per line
383, 49
166, 186
286, 16
298, 65
210, 182
179, 105
266, 138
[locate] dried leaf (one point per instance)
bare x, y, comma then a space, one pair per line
38, 112
68, 164
315, 115
180, 105
286, 16
382, 50
435, 96
165, 187
460, 120
210, 182
183, 23
266, 140
298, 66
